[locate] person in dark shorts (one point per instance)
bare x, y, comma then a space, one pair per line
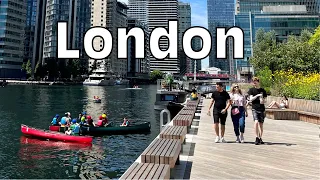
220, 110
257, 96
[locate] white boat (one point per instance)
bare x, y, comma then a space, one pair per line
99, 79
133, 88
122, 82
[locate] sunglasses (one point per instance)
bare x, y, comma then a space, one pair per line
236, 87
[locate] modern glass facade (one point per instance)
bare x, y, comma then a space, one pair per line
12, 29
255, 6
243, 21
82, 24
220, 14
184, 19
30, 29
283, 24
77, 14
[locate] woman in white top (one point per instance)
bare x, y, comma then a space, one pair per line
282, 105
238, 112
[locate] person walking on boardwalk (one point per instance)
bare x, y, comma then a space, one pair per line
238, 112
220, 98
257, 97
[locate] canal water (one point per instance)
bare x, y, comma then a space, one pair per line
107, 157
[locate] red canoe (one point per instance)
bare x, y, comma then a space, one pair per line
54, 128
54, 135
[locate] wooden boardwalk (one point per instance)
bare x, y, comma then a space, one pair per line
291, 150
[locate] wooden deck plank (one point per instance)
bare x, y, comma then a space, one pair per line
164, 151
127, 173
153, 171
147, 171
152, 157
140, 172
157, 174
148, 156
291, 151
134, 171
159, 151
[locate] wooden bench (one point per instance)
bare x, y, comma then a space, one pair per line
162, 151
282, 114
174, 132
147, 171
187, 111
190, 108
182, 120
307, 110
309, 117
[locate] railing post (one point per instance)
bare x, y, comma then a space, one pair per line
161, 117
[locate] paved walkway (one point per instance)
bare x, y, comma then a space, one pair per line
291, 150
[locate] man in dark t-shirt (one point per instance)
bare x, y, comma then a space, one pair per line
257, 96
220, 98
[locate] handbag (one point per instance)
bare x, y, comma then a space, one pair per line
235, 111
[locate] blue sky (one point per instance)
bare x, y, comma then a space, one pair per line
198, 17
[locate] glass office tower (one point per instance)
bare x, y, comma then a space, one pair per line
220, 14
12, 29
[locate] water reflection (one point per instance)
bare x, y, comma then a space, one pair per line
108, 157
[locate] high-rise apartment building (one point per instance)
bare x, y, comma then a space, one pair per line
184, 18
77, 14
135, 65
112, 15
220, 14
34, 31
12, 30
138, 10
159, 13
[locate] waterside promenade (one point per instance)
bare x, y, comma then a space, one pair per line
291, 150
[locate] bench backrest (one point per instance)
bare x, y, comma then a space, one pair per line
298, 104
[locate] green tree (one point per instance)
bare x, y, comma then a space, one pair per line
155, 75
296, 53
266, 81
315, 39
264, 50
27, 67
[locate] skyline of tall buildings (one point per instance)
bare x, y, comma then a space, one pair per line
28, 29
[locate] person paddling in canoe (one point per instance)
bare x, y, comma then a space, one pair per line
55, 120
90, 121
74, 128
68, 118
125, 122
102, 121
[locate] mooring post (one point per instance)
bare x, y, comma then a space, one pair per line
161, 117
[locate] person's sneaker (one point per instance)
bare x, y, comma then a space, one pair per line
257, 141
217, 139
241, 139
238, 139
261, 142
222, 140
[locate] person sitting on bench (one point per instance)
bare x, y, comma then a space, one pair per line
282, 105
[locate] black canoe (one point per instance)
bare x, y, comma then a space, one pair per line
142, 128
